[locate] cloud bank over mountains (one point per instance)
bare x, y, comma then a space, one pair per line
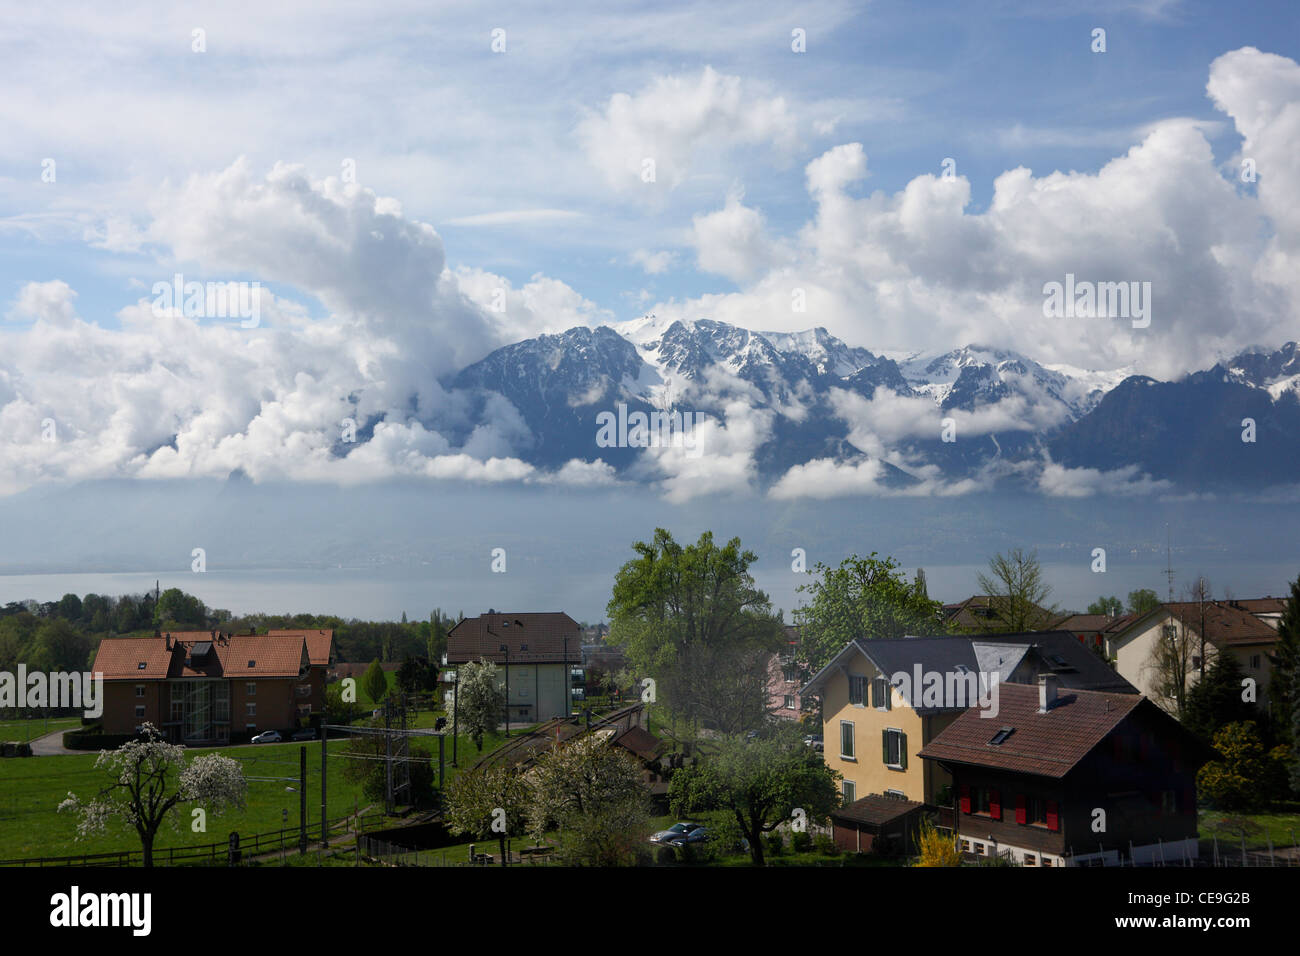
369, 324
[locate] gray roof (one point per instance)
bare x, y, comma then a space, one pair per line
1055, 652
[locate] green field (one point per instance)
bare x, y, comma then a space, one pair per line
23, 730
31, 789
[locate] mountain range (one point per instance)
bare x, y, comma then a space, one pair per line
972, 412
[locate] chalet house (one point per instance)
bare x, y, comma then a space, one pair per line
873, 733
1197, 631
208, 687
1072, 777
534, 653
785, 677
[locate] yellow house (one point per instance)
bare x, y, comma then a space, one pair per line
874, 723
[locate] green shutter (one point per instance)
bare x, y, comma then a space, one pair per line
902, 750
884, 746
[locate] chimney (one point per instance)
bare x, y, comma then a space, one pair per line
168, 638
1048, 685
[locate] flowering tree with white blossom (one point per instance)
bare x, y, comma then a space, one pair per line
151, 778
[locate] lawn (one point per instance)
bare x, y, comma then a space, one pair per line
32, 788
1282, 826
30, 729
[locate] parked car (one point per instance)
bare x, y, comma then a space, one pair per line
679, 834
268, 737
307, 733
815, 742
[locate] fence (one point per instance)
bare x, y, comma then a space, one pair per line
393, 854
214, 853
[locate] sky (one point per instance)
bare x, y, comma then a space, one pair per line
412, 188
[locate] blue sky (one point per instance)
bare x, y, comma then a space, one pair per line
518, 171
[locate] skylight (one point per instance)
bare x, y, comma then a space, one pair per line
1001, 736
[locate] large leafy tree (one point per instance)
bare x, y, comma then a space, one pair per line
482, 700
690, 618
1247, 775
375, 682
593, 793
150, 779
760, 782
863, 597
1142, 600
1018, 593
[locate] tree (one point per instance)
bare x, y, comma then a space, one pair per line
863, 597
487, 803
1169, 664
761, 782
592, 792
1216, 701
1246, 776
1142, 600
1285, 701
1108, 606
151, 778
177, 610
1017, 593
937, 849
690, 618
375, 682
482, 700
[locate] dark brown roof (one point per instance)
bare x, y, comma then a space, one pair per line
876, 810
1047, 745
640, 742
1224, 624
1086, 623
1264, 605
543, 633
965, 613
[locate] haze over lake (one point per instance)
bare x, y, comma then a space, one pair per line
376, 551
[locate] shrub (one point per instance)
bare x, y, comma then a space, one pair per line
824, 845
774, 843
801, 841
937, 849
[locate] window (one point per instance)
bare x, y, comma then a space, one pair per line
896, 794
139, 690
1002, 734
965, 846
141, 666
250, 689
252, 663
857, 689
791, 673
304, 690
139, 710
1254, 662
850, 791
894, 749
250, 709
846, 740
789, 702
979, 800
304, 710
1036, 811
1030, 860
880, 693
1168, 801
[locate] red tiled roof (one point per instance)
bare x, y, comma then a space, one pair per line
640, 742
1047, 745
320, 643
544, 634
119, 658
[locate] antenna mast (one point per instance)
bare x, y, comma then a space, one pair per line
1169, 562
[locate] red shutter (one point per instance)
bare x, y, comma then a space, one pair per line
995, 804
965, 798
1021, 816
1053, 818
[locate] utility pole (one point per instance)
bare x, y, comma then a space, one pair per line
302, 800
324, 752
